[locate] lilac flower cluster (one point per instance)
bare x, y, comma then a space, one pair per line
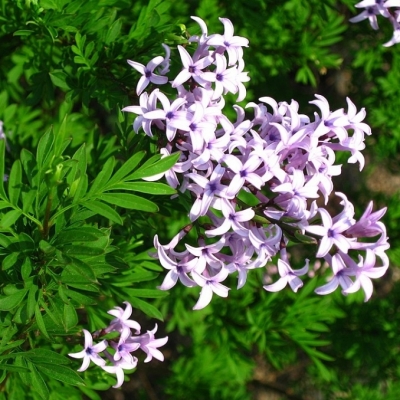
254, 182
373, 8
121, 359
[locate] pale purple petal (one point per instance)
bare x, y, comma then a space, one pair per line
205, 298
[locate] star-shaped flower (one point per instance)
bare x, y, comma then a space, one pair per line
90, 352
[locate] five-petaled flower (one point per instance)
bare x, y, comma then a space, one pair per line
90, 352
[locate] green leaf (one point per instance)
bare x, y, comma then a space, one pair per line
41, 355
4, 204
59, 79
15, 182
9, 218
77, 178
7, 303
31, 301
78, 272
129, 201
45, 145
30, 167
13, 368
10, 260
248, 198
2, 159
40, 322
139, 275
61, 373
113, 31
27, 200
38, 382
70, 317
81, 234
147, 293
103, 209
147, 308
102, 178
11, 346
304, 238
127, 167
145, 187
60, 139
23, 32
79, 297
158, 167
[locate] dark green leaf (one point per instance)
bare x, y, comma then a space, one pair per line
70, 318
13, 368
147, 308
23, 32
61, 373
145, 187
79, 297
4, 204
30, 167
127, 167
40, 355
103, 209
129, 201
10, 218
139, 275
10, 260
60, 141
113, 31
15, 182
59, 79
82, 234
304, 238
159, 167
78, 272
44, 148
147, 293
40, 322
102, 178
2, 159
248, 198
11, 346
7, 303
38, 382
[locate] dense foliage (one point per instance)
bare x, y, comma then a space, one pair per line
77, 220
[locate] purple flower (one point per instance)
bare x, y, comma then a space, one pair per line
210, 285
178, 269
122, 323
288, 275
243, 172
372, 9
340, 277
206, 256
174, 119
364, 272
147, 103
191, 69
230, 43
118, 368
90, 352
211, 188
123, 350
331, 233
225, 79
232, 220
148, 73
149, 344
